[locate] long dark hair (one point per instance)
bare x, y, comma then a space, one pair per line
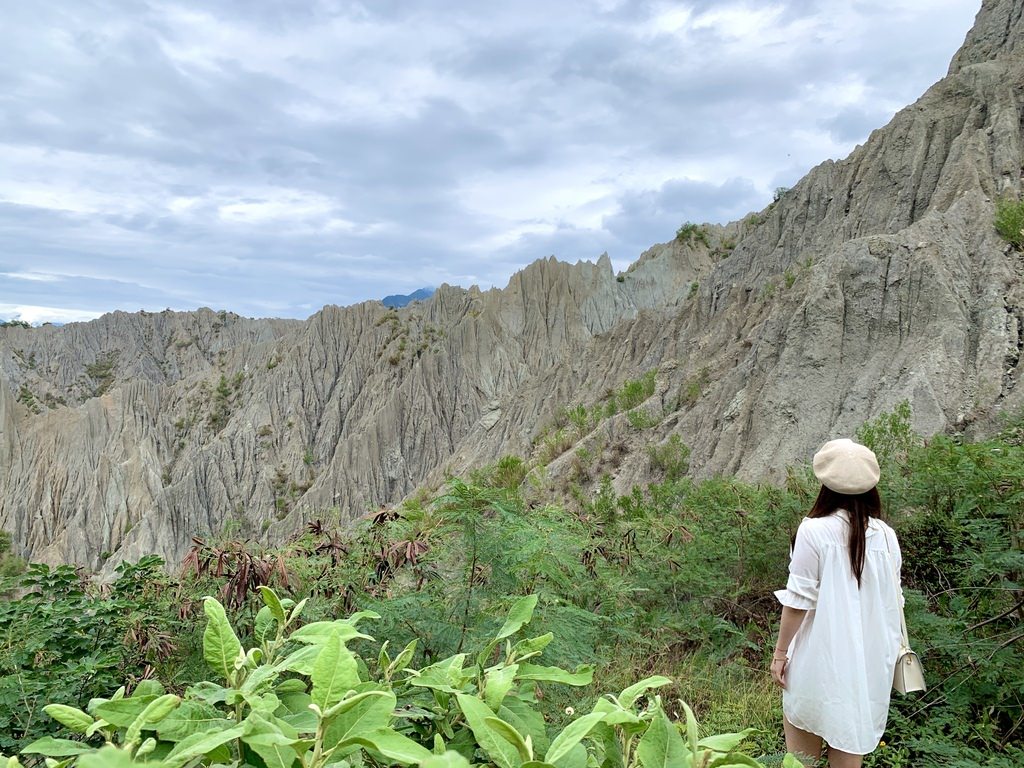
860, 507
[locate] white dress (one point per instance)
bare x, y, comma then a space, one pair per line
842, 657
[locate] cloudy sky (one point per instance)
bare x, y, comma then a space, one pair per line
272, 156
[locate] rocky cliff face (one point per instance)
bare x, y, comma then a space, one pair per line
875, 279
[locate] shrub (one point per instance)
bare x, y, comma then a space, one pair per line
1010, 221
693, 388
300, 695
693, 234
672, 458
635, 391
640, 419
508, 473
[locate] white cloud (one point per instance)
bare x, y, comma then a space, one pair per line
37, 315
39, 277
259, 156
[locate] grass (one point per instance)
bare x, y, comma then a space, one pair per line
1009, 221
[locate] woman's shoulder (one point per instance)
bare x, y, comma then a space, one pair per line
821, 530
882, 527
826, 523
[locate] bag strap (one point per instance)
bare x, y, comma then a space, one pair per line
899, 590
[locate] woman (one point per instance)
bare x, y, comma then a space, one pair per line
840, 631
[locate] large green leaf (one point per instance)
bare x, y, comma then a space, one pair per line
199, 744
51, 747
70, 717
446, 675
498, 681
123, 712
392, 745
306, 721
148, 687
334, 673
296, 610
209, 692
273, 602
527, 720
572, 735
526, 649
582, 676
446, 760
661, 745
403, 659
107, 757
370, 711
616, 715
518, 617
259, 679
629, 696
577, 757
691, 729
609, 740
154, 712
512, 736
496, 746
264, 737
725, 742
736, 761
264, 624
321, 631
300, 661
189, 718
220, 645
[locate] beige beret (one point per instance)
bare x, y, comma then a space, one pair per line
846, 467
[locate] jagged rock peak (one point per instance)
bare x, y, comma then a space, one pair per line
998, 30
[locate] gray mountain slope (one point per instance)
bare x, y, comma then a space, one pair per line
875, 279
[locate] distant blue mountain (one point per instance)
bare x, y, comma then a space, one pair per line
399, 300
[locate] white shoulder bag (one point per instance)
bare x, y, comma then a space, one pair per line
908, 676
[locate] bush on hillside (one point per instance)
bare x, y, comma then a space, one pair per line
1010, 221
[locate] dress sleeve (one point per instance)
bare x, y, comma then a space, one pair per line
801, 590
897, 561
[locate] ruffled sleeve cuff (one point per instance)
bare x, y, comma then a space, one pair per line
800, 593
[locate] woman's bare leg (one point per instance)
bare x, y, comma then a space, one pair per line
804, 744
839, 759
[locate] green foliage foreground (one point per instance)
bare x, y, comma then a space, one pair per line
301, 697
672, 579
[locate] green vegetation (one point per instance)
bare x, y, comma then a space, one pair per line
224, 397
671, 579
101, 372
10, 563
671, 458
641, 419
14, 324
299, 696
693, 388
28, 399
1010, 221
693, 234
556, 438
